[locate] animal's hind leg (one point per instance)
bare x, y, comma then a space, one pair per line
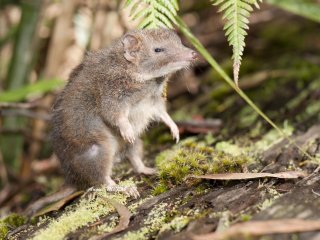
88, 168
135, 154
93, 167
110, 150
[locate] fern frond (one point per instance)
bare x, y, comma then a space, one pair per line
153, 13
236, 13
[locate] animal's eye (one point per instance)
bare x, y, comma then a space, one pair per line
159, 50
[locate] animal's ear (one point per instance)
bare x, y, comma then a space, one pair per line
131, 44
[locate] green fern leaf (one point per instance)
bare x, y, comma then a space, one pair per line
146, 20
236, 13
165, 12
154, 13
171, 5
127, 3
134, 8
144, 13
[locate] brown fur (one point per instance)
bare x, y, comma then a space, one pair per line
109, 101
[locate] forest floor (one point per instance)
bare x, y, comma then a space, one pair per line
223, 136
189, 208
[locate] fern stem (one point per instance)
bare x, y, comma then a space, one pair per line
236, 61
198, 45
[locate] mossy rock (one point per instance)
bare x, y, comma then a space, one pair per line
192, 158
10, 222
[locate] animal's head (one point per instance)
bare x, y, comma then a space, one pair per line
156, 52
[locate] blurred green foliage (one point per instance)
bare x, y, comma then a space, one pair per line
21, 65
40, 87
306, 8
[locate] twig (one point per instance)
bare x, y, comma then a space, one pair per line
316, 193
203, 126
45, 166
306, 179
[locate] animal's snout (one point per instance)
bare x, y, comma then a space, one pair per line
194, 55
191, 54
188, 54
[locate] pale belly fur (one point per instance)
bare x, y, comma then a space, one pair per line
142, 114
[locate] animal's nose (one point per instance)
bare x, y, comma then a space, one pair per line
194, 55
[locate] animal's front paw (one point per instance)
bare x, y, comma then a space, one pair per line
128, 135
175, 132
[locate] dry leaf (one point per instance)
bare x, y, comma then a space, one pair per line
59, 204
240, 176
124, 221
259, 228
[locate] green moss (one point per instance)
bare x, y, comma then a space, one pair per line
153, 222
245, 217
10, 222
3, 230
163, 217
273, 195
209, 139
224, 221
200, 189
273, 137
133, 207
108, 226
229, 148
160, 188
265, 204
88, 210
190, 157
176, 224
